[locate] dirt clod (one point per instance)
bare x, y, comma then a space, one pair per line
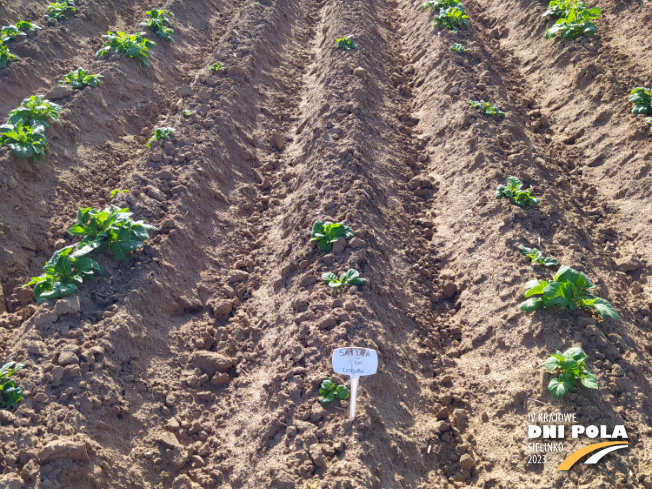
211, 362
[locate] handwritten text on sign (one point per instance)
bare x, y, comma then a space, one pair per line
355, 362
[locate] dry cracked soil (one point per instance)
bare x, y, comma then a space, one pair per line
196, 362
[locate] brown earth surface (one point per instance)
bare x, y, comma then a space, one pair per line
121, 390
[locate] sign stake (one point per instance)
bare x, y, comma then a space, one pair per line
355, 362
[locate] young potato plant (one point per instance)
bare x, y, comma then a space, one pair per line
10, 393
158, 23
80, 78
459, 48
641, 97
648, 120
5, 56
217, 67
25, 26
346, 43
133, 45
572, 364
59, 10
326, 234
329, 392
452, 18
513, 192
577, 22
63, 272
486, 108
25, 141
160, 134
35, 111
537, 258
568, 288
111, 228
439, 4
10, 32
189, 113
558, 9
349, 278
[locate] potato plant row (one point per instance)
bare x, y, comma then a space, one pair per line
561, 286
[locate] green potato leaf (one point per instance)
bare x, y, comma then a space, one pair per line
329, 391
161, 134
557, 293
537, 288
459, 48
574, 20
327, 399
133, 45
559, 388
551, 364
341, 392
572, 366
589, 380
531, 305
328, 233
487, 109
576, 353
346, 43
81, 78
605, 309
513, 192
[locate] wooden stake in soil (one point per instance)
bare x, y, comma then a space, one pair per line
355, 362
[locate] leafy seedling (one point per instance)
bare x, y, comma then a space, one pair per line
577, 22
111, 228
133, 45
459, 48
329, 392
452, 18
63, 272
439, 4
648, 120
558, 9
569, 288
5, 56
189, 113
25, 141
10, 32
25, 26
35, 111
537, 258
117, 191
572, 364
217, 67
326, 234
346, 43
486, 108
81, 78
160, 134
349, 278
158, 23
642, 99
10, 393
513, 192
59, 10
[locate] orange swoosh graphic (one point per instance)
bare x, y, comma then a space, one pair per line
575, 456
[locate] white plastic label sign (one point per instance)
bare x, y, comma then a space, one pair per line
355, 362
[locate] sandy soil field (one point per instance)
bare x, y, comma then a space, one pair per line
196, 362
